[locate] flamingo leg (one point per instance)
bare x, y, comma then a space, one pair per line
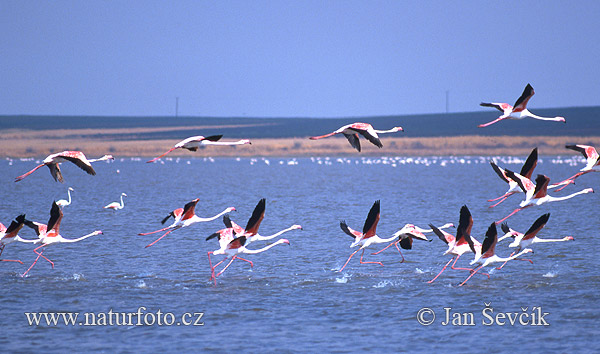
503, 264
505, 195
402, 261
431, 281
245, 260
361, 260
492, 122
212, 269
472, 274
570, 180
386, 247
353, 253
503, 199
458, 268
227, 266
34, 262
511, 214
166, 233
153, 232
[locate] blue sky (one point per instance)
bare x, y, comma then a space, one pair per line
294, 58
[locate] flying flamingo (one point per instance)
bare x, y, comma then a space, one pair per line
406, 235
53, 161
513, 187
592, 162
184, 218
235, 247
488, 255
457, 246
194, 142
251, 230
10, 235
49, 234
115, 205
536, 194
63, 203
368, 236
351, 132
519, 111
525, 240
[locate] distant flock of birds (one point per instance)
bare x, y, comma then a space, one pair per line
233, 239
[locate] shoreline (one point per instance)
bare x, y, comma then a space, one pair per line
26, 143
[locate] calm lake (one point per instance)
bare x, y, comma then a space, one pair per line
294, 298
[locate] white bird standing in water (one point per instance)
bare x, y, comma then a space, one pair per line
116, 205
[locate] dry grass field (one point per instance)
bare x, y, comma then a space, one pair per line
26, 143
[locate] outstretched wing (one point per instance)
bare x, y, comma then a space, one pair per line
370, 227
521, 103
257, 216
353, 139
530, 163
537, 226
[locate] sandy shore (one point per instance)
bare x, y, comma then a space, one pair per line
24, 143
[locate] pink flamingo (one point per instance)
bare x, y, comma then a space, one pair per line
49, 234
114, 206
406, 235
53, 161
251, 230
184, 218
525, 240
592, 162
457, 246
351, 132
10, 235
519, 111
488, 255
367, 237
536, 194
193, 143
233, 249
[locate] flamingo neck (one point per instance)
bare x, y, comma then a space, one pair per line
239, 142
393, 130
531, 115
542, 240
556, 199
264, 248
213, 217
506, 259
80, 238
258, 237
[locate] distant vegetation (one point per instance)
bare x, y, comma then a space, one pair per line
581, 121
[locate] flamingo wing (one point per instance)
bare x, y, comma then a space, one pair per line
444, 236
213, 138
517, 178
530, 163
56, 216
521, 103
370, 227
371, 135
353, 139
257, 216
16, 225
189, 209
348, 231
499, 106
79, 159
489, 243
537, 226
499, 172
406, 243
541, 186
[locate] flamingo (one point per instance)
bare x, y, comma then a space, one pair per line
519, 111
513, 187
115, 205
457, 246
592, 162
536, 194
488, 255
184, 218
49, 234
406, 235
63, 203
235, 247
10, 235
351, 132
53, 161
368, 236
194, 142
103, 158
525, 240
251, 230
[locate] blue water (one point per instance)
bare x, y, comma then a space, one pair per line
294, 298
